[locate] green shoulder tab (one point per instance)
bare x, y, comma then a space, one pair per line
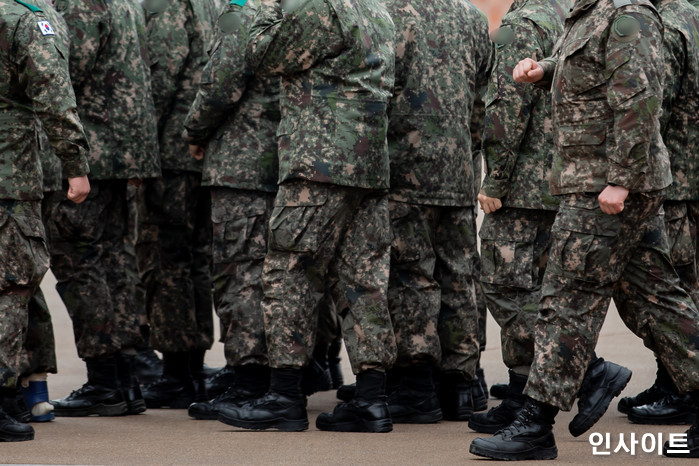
32, 8
239, 2
625, 28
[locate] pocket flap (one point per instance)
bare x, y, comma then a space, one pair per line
581, 135
514, 231
589, 222
575, 45
31, 227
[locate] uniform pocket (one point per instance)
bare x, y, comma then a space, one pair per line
233, 230
28, 255
507, 253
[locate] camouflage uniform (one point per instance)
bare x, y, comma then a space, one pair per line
607, 86
37, 85
235, 115
432, 291
518, 148
174, 237
96, 277
330, 220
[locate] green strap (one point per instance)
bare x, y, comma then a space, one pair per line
34, 9
239, 2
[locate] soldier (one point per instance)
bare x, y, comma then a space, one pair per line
608, 239
96, 276
680, 130
432, 285
232, 125
174, 227
37, 85
330, 219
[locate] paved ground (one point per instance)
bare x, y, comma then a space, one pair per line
169, 436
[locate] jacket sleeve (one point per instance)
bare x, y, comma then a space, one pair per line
675, 57
43, 73
288, 42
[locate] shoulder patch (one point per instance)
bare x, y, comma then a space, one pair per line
502, 36
229, 22
156, 6
625, 28
45, 28
238, 2
32, 8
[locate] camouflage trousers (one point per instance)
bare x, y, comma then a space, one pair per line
25, 260
240, 225
514, 251
681, 222
432, 286
173, 249
324, 237
596, 257
96, 276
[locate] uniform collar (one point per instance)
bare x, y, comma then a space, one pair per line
581, 6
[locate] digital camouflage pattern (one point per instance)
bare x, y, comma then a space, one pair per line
236, 113
517, 136
39, 348
240, 225
607, 85
681, 223
328, 239
439, 70
108, 66
596, 257
178, 41
336, 62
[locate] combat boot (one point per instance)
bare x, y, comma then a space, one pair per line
334, 363
669, 410
456, 396
415, 400
148, 366
691, 449
199, 377
366, 412
316, 375
130, 387
251, 381
499, 390
283, 407
14, 405
175, 389
100, 395
505, 413
662, 387
346, 392
529, 437
11, 430
220, 381
479, 391
603, 381
35, 392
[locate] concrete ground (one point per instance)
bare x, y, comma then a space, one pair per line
170, 436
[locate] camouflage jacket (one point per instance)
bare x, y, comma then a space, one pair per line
235, 113
36, 84
607, 73
336, 60
439, 69
112, 83
178, 39
680, 120
517, 138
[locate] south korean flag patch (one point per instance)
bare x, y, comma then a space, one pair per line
45, 28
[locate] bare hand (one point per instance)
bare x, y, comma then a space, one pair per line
78, 189
197, 151
528, 71
611, 199
489, 204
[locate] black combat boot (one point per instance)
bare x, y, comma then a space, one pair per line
220, 381
662, 387
283, 407
479, 391
101, 395
415, 400
175, 389
603, 381
129, 384
669, 410
12, 430
499, 390
691, 448
529, 437
334, 363
366, 412
505, 413
346, 392
456, 396
148, 366
199, 377
316, 375
13, 404
251, 381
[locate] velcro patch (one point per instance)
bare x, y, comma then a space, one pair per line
503, 36
229, 22
156, 6
45, 28
625, 28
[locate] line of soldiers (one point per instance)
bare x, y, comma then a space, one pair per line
339, 143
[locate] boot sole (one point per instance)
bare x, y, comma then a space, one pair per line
618, 384
675, 420
7, 437
549, 453
118, 409
382, 426
178, 403
419, 418
136, 407
204, 416
282, 424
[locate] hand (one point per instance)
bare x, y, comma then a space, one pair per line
78, 189
489, 204
528, 71
611, 199
136, 182
197, 151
